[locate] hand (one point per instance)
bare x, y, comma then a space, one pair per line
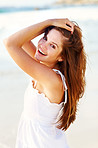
64, 23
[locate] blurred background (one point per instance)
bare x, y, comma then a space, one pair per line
15, 15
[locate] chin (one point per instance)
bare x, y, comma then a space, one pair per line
38, 58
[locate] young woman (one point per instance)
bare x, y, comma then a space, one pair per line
57, 68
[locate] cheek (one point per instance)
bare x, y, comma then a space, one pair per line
53, 54
41, 41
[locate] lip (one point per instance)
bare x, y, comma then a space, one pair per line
40, 51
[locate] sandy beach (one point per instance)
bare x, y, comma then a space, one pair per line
13, 81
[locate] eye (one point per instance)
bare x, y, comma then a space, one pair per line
45, 38
52, 46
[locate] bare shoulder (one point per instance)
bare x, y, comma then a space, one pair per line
54, 90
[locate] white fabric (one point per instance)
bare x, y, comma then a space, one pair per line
65, 86
36, 127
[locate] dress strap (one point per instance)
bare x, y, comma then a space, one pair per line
64, 83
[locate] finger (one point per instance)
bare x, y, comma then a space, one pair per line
72, 28
68, 27
70, 24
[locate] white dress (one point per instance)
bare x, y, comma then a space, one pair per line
36, 128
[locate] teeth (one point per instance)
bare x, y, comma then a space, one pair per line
42, 52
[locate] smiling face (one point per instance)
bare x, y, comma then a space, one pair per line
49, 48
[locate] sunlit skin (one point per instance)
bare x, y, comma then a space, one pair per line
51, 47
24, 53
39, 62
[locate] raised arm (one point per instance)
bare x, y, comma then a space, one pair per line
29, 33
21, 37
29, 48
14, 44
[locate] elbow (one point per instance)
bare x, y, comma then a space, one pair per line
11, 42
7, 42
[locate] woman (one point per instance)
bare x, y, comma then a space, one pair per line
57, 68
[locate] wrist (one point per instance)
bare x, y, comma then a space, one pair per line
49, 22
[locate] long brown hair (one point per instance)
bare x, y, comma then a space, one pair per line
73, 67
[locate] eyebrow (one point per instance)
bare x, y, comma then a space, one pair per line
55, 44
52, 42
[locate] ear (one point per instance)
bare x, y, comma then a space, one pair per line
60, 59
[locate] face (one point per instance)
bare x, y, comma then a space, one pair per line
49, 48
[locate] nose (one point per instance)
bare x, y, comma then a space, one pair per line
43, 45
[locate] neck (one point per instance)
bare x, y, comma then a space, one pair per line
50, 65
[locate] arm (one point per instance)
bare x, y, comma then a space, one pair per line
29, 48
21, 37
15, 43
